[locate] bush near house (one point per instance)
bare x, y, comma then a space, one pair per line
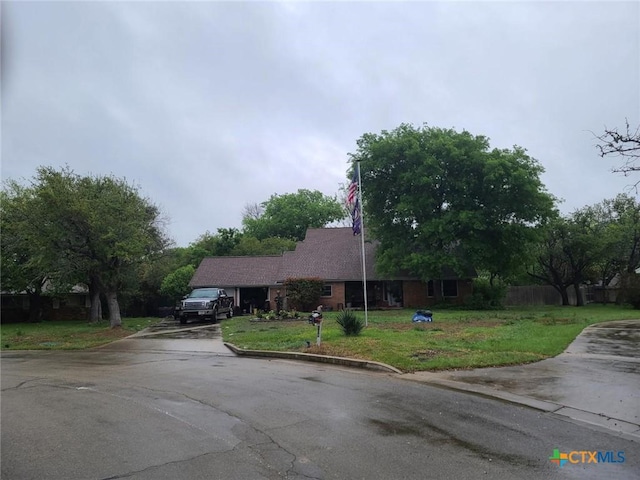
304, 293
487, 296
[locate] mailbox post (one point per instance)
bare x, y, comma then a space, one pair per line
318, 322
316, 319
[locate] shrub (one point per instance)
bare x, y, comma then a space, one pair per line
304, 293
630, 292
176, 284
349, 323
487, 296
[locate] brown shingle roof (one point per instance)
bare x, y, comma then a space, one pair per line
333, 254
237, 271
327, 253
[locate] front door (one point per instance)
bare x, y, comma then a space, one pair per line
253, 298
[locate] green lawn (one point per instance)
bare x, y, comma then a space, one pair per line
67, 335
456, 338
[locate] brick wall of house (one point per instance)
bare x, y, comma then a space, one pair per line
336, 300
465, 289
414, 294
273, 294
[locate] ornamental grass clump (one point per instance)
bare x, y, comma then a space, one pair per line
349, 323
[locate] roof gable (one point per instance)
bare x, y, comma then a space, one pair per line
237, 271
333, 254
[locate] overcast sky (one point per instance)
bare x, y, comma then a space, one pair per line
210, 106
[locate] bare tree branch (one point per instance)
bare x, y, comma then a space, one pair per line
253, 211
625, 144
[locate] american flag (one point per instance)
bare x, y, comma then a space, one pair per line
352, 193
356, 219
353, 204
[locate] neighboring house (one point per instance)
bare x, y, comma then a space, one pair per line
334, 255
612, 292
70, 306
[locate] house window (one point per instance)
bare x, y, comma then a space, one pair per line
449, 288
326, 291
430, 289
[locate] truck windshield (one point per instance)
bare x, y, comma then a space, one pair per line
204, 293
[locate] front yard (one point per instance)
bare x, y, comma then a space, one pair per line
455, 339
67, 335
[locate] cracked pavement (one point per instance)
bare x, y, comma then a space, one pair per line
159, 406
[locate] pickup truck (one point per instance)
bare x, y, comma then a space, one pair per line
205, 303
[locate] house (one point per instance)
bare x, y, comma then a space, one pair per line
335, 255
16, 307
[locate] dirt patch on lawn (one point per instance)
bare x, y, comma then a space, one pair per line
333, 350
439, 326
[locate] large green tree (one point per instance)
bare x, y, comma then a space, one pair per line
619, 236
593, 244
92, 230
289, 215
232, 242
269, 246
21, 271
219, 244
437, 197
567, 255
623, 237
148, 299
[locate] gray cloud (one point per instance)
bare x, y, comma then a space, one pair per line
209, 106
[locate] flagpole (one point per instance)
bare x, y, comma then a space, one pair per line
364, 266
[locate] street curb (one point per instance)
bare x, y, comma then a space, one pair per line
621, 428
311, 357
630, 431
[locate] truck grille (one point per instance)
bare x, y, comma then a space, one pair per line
195, 305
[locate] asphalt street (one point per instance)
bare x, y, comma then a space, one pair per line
173, 404
596, 380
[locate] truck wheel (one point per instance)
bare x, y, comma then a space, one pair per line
230, 312
183, 320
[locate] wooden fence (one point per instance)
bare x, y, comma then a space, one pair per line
537, 295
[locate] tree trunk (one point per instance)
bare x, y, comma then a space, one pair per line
565, 296
95, 314
579, 299
623, 289
35, 307
115, 320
